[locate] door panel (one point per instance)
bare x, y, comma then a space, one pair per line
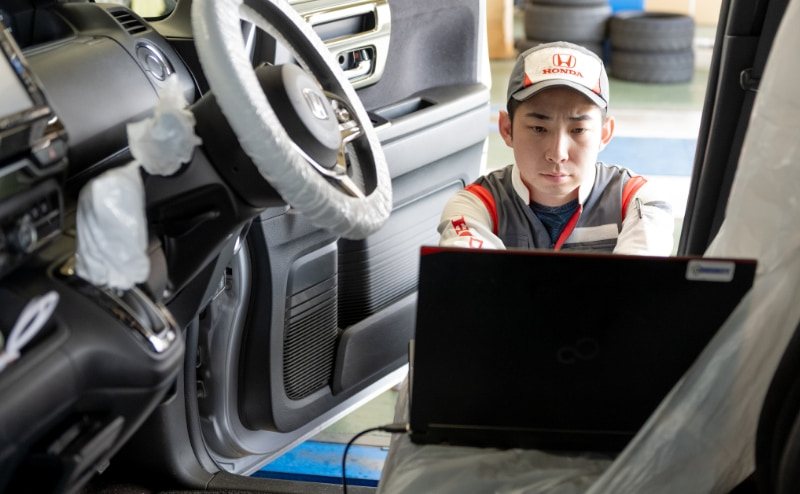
307, 326
357, 33
431, 111
744, 38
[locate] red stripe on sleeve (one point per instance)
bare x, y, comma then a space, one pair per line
488, 200
631, 187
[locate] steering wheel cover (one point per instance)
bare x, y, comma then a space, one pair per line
229, 71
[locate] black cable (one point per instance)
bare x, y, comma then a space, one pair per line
391, 428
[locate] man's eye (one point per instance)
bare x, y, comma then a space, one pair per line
579, 130
537, 129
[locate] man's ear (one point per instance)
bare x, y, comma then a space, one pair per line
504, 126
607, 132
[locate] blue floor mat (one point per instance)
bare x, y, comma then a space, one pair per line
314, 461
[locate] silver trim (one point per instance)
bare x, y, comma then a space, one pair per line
146, 52
377, 39
350, 130
156, 326
160, 331
249, 36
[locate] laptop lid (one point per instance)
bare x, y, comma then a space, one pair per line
559, 351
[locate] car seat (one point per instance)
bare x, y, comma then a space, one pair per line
777, 448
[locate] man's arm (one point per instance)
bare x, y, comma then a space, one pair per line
648, 226
466, 222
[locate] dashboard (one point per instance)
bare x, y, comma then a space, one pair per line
32, 161
210, 354
61, 391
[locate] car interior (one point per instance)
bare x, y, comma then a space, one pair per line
282, 251
255, 326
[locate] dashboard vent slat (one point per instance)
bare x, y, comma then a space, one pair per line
129, 22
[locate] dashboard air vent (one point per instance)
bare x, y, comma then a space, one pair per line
130, 22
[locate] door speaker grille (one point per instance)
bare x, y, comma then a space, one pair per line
310, 339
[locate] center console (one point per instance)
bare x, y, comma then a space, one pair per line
103, 361
33, 146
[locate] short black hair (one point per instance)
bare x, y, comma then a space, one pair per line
512, 108
513, 105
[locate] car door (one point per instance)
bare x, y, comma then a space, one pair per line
744, 37
306, 325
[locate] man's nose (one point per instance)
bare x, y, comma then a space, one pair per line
557, 148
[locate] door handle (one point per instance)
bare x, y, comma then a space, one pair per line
357, 63
357, 34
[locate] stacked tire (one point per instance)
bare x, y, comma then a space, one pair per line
651, 47
583, 22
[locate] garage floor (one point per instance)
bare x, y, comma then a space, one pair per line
655, 136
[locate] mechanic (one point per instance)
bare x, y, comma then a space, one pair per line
557, 195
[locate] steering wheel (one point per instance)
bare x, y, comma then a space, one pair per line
311, 138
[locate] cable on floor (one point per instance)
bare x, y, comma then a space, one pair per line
390, 428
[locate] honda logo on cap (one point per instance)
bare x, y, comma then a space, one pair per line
562, 60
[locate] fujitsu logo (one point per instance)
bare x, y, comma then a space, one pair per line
563, 64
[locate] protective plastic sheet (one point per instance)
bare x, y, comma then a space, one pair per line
701, 438
111, 221
30, 321
112, 230
411, 468
230, 74
167, 140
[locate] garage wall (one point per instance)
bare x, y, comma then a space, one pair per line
500, 17
500, 32
703, 11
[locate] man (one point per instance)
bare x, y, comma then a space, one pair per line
557, 195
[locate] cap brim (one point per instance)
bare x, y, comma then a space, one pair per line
529, 91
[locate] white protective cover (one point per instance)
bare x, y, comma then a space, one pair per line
112, 230
161, 144
701, 438
218, 37
111, 221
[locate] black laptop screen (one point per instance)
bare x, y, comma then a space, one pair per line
554, 350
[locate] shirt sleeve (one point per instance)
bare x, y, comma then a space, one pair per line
466, 222
649, 225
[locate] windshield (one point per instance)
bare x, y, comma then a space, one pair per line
149, 8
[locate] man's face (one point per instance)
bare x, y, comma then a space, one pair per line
556, 136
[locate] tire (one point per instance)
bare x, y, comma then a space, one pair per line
651, 32
556, 23
570, 3
669, 67
598, 47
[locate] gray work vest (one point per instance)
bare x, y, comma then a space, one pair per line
517, 226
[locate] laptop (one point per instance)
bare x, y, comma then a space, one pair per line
557, 351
